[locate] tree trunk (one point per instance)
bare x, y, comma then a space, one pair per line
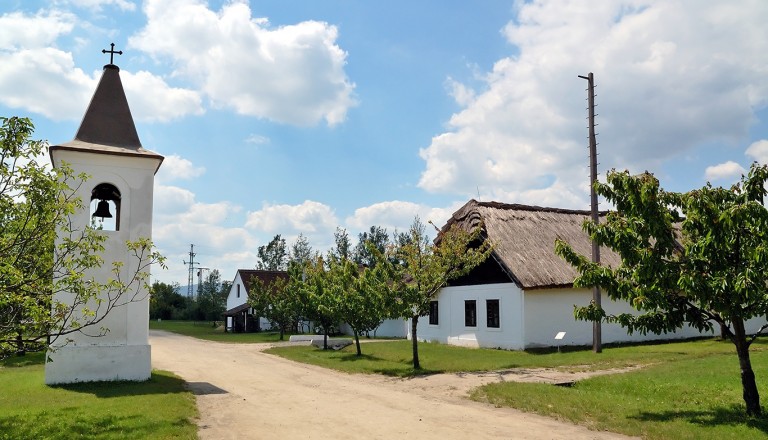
282, 332
20, 350
748, 384
325, 338
357, 342
414, 341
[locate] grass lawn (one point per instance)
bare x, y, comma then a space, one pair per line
688, 390
394, 358
206, 330
159, 408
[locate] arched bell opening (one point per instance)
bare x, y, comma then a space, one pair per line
105, 207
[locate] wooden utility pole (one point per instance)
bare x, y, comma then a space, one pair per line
597, 344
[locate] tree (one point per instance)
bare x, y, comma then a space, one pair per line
212, 297
320, 304
342, 245
35, 205
359, 293
165, 301
273, 256
426, 267
301, 251
276, 301
363, 252
697, 258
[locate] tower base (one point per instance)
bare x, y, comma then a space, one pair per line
98, 363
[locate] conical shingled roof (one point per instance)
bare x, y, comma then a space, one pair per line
108, 120
107, 126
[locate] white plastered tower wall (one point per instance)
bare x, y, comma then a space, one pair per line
107, 149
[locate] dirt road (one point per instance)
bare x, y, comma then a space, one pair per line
243, 393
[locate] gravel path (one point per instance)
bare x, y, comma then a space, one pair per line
243, 393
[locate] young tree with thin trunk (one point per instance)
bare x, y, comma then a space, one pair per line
35, 205
698, 258
320, 304
425, 267
359, 294
276, 301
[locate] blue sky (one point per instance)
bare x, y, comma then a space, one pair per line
281, 117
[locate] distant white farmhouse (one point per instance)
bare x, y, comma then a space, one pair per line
239, 315
523, 295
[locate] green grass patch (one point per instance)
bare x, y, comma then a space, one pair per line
394, 358
696, 395
208, 331
159, 408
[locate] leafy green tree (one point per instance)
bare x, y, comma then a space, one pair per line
342, 245
425, 267
274, 255
301, 250
165, 301
359, 294
320, 303
369, 243
276, 302
697, 258
212, 297
35, 205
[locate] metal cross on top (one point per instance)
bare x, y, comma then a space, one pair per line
112, 52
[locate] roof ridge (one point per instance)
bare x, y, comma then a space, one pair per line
523, 207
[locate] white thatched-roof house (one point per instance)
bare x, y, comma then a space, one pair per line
523, 295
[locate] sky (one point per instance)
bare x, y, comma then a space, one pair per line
298, 117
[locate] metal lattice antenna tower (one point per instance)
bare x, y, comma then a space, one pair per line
191, 263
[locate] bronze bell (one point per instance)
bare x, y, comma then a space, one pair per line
102, 210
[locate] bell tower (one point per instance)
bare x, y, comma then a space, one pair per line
117, 199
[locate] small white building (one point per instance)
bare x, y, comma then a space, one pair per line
107, 148
523, 295
239, 317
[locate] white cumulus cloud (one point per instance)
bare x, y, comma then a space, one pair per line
758, 151
397, 215
152, 99
290, 74
670, 75
29, 57
25, 31
309, 218
726, 170
175, 167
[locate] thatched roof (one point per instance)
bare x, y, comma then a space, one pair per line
524, 240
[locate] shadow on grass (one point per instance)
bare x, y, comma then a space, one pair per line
159, 383
404, 371
27, 360
353, 357
729, 416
